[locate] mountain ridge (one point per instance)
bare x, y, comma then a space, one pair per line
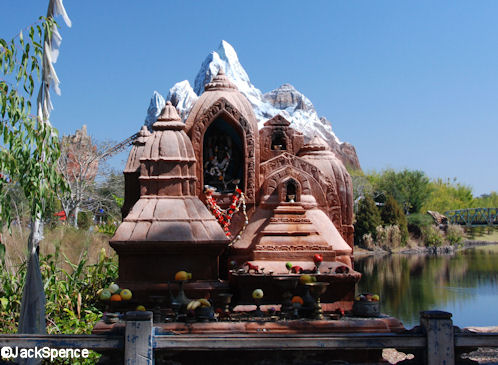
284, 100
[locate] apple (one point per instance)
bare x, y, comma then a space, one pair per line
317, 258
288, 265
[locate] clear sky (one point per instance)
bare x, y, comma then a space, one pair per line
411, 84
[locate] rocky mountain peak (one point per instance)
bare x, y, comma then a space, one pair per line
285, 100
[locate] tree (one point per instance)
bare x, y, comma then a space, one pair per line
78, 164
410, 188
448, 195
367, 219
30, 145
392, 214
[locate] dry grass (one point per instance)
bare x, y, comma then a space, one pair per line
66, 241
489, 235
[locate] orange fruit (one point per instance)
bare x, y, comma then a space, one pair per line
181, 275
297, 299
116, 298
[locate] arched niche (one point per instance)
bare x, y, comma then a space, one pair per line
225, 111
289, 191
278, 140
223, 157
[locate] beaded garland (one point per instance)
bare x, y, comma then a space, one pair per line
224, 216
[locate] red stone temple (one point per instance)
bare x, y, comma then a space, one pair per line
241, 209
298, 198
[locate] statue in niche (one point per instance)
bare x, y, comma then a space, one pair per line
222, 162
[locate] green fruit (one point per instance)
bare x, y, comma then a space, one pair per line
105, 295
257, 294
140, 308
288, 265
305, 279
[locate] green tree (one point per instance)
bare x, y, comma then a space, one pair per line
410, 188
392, 214
29, 146
448, 195
367, 219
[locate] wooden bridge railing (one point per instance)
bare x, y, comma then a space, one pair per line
436, 337
473, 216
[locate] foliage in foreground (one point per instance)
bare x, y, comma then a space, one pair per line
70, 289
72, 305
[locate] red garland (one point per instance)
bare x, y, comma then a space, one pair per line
224, 217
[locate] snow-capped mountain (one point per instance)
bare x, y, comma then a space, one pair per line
285, 100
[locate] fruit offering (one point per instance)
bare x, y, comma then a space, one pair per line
307, 279
257, 294
367, 297
183, 275
105, 295
194, 304
317, 258
125, 294
140, 308
114, 288
297, 299
288, 266
114, 293
116, 298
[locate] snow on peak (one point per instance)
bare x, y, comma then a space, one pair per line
156, 105
285, 100
183, 97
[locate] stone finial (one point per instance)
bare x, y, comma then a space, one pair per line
220, 82
317, 143
142, 136
169, 118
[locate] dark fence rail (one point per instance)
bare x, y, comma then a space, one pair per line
436, 338
473, 216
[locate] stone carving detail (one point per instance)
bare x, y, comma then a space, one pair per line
288, 165
289, 220
220, 107
293, 248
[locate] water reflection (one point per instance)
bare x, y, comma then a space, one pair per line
465, 284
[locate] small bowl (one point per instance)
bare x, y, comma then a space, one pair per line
366, 308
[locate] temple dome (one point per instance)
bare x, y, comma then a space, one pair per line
169, 141
318, 153
221, 87
137, 150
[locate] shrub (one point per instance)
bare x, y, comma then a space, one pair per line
432, 236
455, 234
367, 219
417, 222
389, 237
368, 241
84, 220
392, 215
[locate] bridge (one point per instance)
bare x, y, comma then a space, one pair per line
473, 217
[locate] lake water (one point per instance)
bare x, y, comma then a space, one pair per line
465, 284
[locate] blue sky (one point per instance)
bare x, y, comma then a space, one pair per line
411, 84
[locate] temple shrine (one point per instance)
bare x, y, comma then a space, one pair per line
297, 198
248, 213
